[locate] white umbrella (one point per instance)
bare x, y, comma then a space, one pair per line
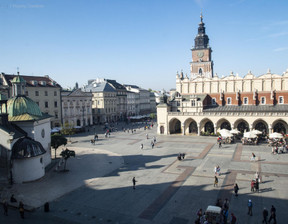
257, 132
234, 131
226, 134
249, 135
276, 135
224, 131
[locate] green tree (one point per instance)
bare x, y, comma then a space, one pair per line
68, 129
57, 140
152, 116
66, 154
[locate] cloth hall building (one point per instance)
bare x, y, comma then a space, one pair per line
205, 102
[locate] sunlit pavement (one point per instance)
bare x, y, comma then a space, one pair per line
98, 186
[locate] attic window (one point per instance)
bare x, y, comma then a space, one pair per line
34, 82
43, 83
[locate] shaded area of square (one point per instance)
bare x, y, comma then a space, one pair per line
177, 220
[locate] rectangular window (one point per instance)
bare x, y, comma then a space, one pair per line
26, 93
46, 104
193, 103
55, 104
36, 93
56, 115
46, 93
281, 100
263, 100
178, 103
245, 100
229, 101
55, 93
213, 101
37, 103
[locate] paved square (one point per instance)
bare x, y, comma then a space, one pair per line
167, 190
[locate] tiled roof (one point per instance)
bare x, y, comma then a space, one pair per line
247, 108
29, 80
99, 87
115, 84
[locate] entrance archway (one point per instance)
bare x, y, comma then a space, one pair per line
225, 125
193, 129
279, 127
243, 126
161, 130
209, 127
175, 126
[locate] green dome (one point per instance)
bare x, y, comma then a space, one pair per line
21, 105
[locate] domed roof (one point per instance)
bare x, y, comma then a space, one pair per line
26, 148
21, 105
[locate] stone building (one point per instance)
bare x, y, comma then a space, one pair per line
104, 101
43, 90
204, 102
121, 99
77, 107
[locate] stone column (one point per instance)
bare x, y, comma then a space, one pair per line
215, 130
251, 127
270, 129
198, 127
232, 126
183, 128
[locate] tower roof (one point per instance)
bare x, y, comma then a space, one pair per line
201, 40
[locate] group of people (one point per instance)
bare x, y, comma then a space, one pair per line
13, 200
181, 156
153, 142
265, 213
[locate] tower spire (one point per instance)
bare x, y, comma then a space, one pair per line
201, 17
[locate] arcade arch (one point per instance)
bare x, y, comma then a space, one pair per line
175, 126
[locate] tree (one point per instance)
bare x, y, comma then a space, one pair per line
66, 154
57, 140
152, 116
68, 129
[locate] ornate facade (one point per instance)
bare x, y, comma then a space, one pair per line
207, 103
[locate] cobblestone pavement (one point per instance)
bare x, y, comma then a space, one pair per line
98, 187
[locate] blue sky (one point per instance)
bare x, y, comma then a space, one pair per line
141, 42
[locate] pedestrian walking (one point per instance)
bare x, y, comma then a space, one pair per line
199, 213
265, 216
250, 206
236, 189
183, 155
5, 207
21, 209
220, 144
141, 146
233, 219
134, 183
215, 182
146, 136
257, 185
154, 139
152, 145
253, 157
272, 214
252, 185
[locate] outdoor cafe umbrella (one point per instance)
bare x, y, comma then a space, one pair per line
226, 134
250, 135
224, 131
234, 131
257, 132
276, 135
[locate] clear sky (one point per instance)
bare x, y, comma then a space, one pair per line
140, 42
